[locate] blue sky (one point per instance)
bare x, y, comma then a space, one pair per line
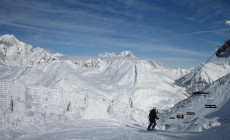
177, 33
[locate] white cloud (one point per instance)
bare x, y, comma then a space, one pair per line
177, 59
207, 31
228, 22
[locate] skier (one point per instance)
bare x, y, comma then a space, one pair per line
152, 119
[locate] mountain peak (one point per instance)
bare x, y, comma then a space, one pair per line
121, 54
127, 54
10, 40
7, 36
11, 46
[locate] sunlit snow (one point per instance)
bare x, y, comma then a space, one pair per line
50, 96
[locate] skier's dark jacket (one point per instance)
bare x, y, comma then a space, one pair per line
153, 115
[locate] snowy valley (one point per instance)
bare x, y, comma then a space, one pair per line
49, 92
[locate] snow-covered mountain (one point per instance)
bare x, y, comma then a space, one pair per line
123, 87
198, 80
38, 87
18, 54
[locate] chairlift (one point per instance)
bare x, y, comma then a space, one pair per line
177, 115
210, 106
224, 50
180, 114
172, 118
190, 113
210, 103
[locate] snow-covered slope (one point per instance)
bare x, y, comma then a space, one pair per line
133, 77
198, 80
106, 130
122, 87
202, 111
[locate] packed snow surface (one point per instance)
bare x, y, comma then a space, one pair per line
107, 130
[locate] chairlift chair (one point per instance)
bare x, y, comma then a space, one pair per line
180, 114
172, 117
210, 106
190, 113
210, 102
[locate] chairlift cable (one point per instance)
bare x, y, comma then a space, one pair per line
206, 61
194, 74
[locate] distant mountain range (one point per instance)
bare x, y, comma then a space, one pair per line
113, 54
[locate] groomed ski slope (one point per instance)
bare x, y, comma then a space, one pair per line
108, 130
